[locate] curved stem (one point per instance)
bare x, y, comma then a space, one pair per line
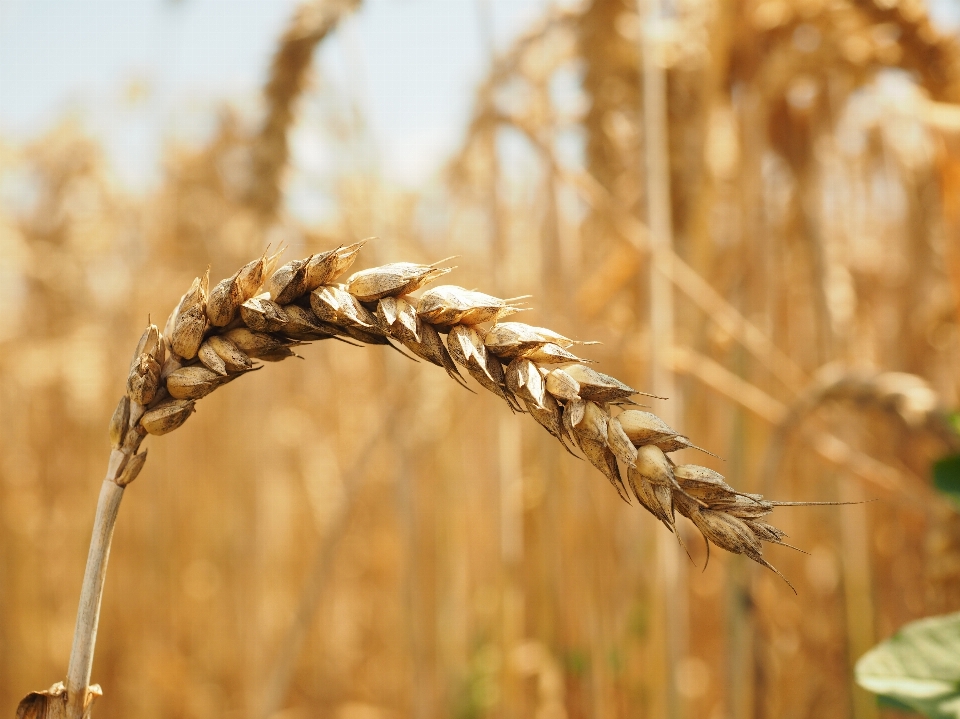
88, 614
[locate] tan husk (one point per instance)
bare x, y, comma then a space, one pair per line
701, 482
227, 296
466, 347
302, 324
600, 456
193, 382
620, 443
333, 304
399, 319
395, 279
132, 468
255, 344
324, 268
525, 381
550, 417
656, 498
119, 422
235, 359
644, 427
431, 348
596, 386
190, 322
654, 466
678, 442
167, 416
224, 300
451, 305
509, 339
549, 353
288, 282
210, 359
593, 425
263, 315
151, 343
561, 385
143, 380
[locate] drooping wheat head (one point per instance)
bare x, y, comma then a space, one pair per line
263, 312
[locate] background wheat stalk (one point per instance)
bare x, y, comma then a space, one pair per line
310, 24
263, 312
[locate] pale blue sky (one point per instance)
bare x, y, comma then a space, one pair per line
136, 71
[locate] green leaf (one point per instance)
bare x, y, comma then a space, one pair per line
946, 477
953, 419
919, 667
885, 702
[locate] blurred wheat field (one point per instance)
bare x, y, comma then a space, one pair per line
350, 537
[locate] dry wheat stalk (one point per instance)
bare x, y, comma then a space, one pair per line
289, 70
263, 312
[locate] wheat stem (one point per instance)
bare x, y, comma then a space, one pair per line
88, 614
656, 159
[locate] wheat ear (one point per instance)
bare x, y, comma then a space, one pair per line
262, 312
906, 396
289, 70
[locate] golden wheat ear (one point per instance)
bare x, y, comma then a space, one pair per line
528, 366
260, 313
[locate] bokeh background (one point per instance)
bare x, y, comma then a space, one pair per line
751, 203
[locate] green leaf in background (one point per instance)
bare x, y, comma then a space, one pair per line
885, 702
946, 477
918, 667
953, 419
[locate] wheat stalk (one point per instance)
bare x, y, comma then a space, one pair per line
289, 71
263, 312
